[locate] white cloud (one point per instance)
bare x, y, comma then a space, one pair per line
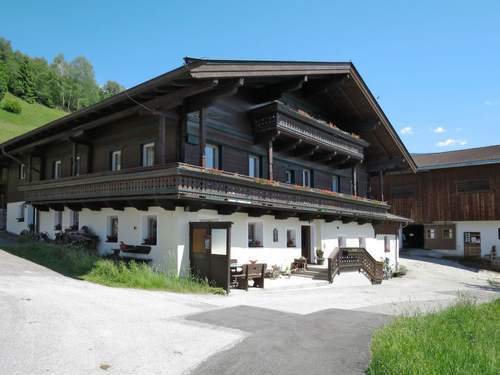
439, 129
407, 130
451, 142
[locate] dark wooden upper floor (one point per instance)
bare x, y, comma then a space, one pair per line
307, 124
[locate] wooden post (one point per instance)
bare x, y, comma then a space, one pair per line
73, 158
355, 180
30, 170
381, 181
90, 158
181, 135
201, 136
162, 135
270, 160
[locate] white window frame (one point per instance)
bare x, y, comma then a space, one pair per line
145, 161
116, 163
255, 171
258, 233
74, 219
109, 229
214, 162
451, 234
145, 231
335, 183
22, 171
430, 233
306, 182
77, 167
291, 238
58, 219
290, 176
57, 169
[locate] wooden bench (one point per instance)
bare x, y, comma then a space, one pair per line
249, 272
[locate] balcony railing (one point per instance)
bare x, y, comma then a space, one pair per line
277, 118
191, 183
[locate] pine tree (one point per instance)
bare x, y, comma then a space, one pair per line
26, 80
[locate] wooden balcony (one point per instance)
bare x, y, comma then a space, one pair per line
310, 136
195, 188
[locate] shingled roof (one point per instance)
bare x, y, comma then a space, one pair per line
458, 158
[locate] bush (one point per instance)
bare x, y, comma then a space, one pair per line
12, 106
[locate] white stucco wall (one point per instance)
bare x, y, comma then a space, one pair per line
13, 225
172, 250
489, 235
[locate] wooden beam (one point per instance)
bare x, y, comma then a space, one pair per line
140, 205
74, 206
355, 180
322, 86
348, 219
381, 182
258, 212
385, 165
228, 210
290, 146
283, 215
202, 131
227, 88
162, 139
361, 126
115, 205
276, 90
325, 158
306, 151
93, 206
270, 160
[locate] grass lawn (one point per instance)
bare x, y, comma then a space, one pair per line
85, 265
463, 339
31, 117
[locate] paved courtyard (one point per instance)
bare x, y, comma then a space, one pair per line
51, 324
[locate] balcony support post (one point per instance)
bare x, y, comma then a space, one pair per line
381, 180
202, 136
74, 152
355, 180
270, 160
162, 135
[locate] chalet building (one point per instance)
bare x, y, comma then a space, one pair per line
268, 160
453, 199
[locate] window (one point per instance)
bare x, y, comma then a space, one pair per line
335, 184
473, 185
430, 234
150, 230
116, 160
499, 233
58, 215
112, 235
212, 156
75, 220
253, 166
255, 234
306, 178
290, 176
22, 172
447, 234
387, 244
342, 241
20, 213
57, 169
148, 154
76, 166
276, 237
291, 238
362, 242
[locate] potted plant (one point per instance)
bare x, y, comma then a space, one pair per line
320, 260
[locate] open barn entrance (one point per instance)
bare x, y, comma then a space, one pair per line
210, 252
413, 237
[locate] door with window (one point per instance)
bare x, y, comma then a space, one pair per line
472, 244
210, 252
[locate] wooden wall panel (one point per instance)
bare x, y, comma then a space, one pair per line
437, 199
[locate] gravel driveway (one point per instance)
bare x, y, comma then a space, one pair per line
51, 324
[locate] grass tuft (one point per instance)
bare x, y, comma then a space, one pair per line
462, 339
86, 265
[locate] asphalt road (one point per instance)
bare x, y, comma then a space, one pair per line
326, 342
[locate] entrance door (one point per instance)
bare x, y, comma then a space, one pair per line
413, 237
472, 244
306, 242
210, 252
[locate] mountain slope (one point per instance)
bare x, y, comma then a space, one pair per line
31, 117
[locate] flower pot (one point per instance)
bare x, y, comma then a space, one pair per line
320, 261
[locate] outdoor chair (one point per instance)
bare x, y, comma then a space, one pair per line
249, 272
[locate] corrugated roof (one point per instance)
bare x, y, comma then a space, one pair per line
458, 158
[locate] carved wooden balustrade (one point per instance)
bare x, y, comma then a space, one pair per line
355, 259
186, 182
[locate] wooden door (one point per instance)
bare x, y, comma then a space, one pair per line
306, 242
472, 244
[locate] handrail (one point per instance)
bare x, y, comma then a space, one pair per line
352, 258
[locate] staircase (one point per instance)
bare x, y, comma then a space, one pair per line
314, 272
348, 259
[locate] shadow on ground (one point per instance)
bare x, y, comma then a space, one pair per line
327, 342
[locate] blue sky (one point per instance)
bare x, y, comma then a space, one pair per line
434, 65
